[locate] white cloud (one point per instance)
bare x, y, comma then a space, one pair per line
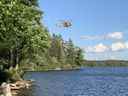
119, 46
115, 35
99, 48
91, 37
89, 49
112, 35
126, 44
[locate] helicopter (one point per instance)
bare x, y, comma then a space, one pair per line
64, 23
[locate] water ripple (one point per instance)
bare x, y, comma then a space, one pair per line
80, 83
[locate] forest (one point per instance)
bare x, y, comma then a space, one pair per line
27, 45
105, 63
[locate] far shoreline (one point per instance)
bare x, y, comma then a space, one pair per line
74, 69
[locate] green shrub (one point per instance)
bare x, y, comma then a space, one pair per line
13, 74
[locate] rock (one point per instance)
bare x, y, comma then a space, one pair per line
6, 89
15, 88
57, 69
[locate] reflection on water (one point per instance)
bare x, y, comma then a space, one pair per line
84, 82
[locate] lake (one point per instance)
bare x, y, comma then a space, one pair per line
83, 82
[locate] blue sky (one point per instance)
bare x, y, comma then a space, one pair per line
100, 27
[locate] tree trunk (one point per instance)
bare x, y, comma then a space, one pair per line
11, 57
17, 56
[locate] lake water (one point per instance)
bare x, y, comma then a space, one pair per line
84, 82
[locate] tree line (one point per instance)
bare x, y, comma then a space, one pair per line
105, 63
61, 54
25, 43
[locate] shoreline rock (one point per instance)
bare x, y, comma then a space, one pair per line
6, 90
16, 88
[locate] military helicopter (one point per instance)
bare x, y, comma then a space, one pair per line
64, 23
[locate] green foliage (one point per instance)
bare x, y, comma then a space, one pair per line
22, 36
63, 54
26, 43
13, 74
106, 63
